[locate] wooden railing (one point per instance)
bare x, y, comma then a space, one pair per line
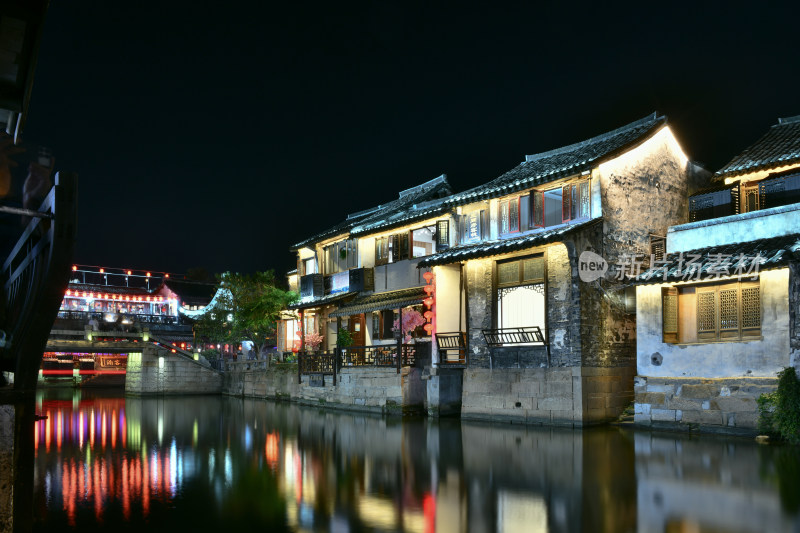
329, 363
378, 355
452, 348
507, 336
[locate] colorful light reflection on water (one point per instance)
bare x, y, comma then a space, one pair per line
207, 463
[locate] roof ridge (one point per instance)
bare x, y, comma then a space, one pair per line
422, 186
787, 120
603, 136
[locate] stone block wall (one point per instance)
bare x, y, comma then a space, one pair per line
523, 395
361, 389
556, 396
160, 372
713, 405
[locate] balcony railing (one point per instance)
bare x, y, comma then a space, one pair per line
378, 355
452, 348
316, 364
511, 336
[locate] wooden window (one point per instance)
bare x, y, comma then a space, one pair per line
669, 314
381, 251
566, 197
520, 295
576, 201
538, 209
509, 216
442, 234
724, 312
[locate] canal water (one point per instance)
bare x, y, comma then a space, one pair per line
110, 463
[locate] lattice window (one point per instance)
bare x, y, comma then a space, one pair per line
728, 309
751, 307
504, 220
586, 200
706, 315
508, 273
670, 313
538, 209
533, 269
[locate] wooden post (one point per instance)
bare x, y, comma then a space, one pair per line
302, 348
399, 339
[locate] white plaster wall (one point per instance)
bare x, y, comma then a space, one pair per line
400, 275
773, 222
758, 358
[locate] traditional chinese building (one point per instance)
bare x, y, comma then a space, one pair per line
717, 318
536, 342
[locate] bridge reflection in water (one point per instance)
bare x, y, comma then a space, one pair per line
206, 463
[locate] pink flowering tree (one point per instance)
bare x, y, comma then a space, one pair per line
412, 319
312, 340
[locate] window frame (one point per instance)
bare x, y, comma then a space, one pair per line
714, 329
576, 203
520, 282
505, 208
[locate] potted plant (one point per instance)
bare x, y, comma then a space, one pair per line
312, 341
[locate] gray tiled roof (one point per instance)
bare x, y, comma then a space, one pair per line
549, 166
503, 246
414, 203
382, 301
325, 300
735, 258
779, 146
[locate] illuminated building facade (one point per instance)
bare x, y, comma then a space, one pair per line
717, 320
545, 342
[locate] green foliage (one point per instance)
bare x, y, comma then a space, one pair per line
248, 308
779, 412
344, 338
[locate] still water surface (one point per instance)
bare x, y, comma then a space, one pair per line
109, 463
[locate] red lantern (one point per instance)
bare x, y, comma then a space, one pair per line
428, 315
428, 277
428, 327
428, 301
428, 289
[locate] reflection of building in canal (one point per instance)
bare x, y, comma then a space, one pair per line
708, 484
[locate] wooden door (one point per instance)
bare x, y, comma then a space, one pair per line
356, 326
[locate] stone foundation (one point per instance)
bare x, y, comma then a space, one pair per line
160, 372
552, 396
361, 389
711, 405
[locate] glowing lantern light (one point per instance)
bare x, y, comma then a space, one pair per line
428, 289
129, 272
427, 276
67, 294
102, 270
428, 327
166, 275
148, 274
428, 315
74, 268
428, 301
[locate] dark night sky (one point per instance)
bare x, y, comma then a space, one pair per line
218, 134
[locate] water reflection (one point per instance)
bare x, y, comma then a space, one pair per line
207, 463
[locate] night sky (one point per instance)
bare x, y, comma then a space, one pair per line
216, 135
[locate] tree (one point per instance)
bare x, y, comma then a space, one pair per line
248, 308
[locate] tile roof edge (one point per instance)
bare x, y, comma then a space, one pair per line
653, 117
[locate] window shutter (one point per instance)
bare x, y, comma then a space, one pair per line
404, 248
566, 192
751, 309
442, 235
484, 223
524, 212
574, 203
538, 209
669, 314
394, 248
586, 199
